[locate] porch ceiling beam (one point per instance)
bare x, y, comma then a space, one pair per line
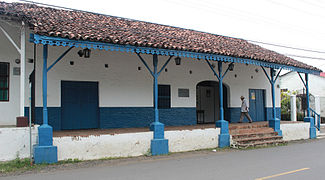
302, 80
277, 75
10, 39
224, 74
145, 64
55, 62
268, 77
214, 72
163, 67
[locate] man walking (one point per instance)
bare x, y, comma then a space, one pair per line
244, 110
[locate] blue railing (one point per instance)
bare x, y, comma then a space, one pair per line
316, 115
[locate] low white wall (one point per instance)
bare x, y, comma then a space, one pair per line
132, 144
295, 131
14, 142
189, 140
96, 147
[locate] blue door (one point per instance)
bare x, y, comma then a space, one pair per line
257, 104
79, 102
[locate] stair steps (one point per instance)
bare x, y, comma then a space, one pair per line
257, 134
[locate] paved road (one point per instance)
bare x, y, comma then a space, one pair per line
295, 161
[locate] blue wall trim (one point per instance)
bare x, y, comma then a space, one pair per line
234, 114
125, 117
54, 116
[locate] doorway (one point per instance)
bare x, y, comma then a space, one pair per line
257, 104
79, 104
207, 102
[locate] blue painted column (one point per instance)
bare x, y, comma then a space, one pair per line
224, 137
274, 122
155, 87
220, 90
44, 151
312, 128
159, 145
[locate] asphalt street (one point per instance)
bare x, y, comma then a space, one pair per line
303, 160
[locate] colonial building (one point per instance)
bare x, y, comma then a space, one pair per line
85, 71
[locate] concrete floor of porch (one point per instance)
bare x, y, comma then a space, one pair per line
97, 132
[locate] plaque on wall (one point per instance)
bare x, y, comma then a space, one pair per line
16, 71
183, 93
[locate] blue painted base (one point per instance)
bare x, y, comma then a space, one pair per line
45, 154
224, 137
312, 133
275, 124
45, 135
158, 130
223, 140
159, 147
223, 125
312, 128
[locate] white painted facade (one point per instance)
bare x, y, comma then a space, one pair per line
292, 82
121, 84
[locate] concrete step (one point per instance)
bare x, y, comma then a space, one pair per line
252, 135
258, 139
259, 144
321, 136
251, 130
247, 125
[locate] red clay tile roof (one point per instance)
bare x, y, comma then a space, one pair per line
80, 25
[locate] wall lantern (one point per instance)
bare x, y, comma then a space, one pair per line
17, 61
231, 66
178, 61
85, 52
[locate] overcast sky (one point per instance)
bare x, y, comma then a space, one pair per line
294, 23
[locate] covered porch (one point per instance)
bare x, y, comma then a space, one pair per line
136, 85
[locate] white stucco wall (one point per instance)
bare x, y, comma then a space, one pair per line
132, 144
103, 146
189, 140
295, 131
122, 84
14, 142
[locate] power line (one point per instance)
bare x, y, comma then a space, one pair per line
307, 57
289, 47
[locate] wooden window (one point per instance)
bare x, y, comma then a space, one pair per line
163, 96
4, 81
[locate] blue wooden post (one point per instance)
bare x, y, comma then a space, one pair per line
155, 87
224, 137
45, 152
159, 145
274, 122
273, 93
220, 90
307, 95
45, 114
312, 128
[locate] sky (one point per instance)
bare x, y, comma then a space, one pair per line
293, 23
